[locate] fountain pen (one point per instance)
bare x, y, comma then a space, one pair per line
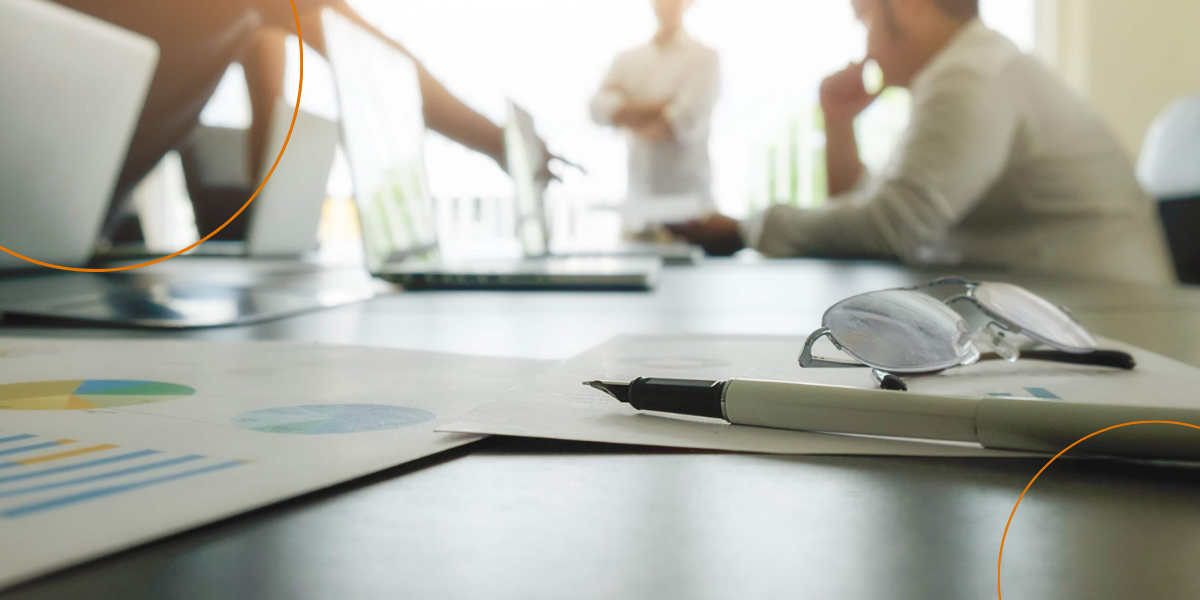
1002, 423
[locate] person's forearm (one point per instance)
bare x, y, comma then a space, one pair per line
444, 113
449, 116
634, 114
264, 65
843, 166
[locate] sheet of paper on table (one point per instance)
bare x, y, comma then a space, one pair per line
673, 209
105, 445
556, 405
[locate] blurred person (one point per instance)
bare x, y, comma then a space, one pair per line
199, 40
662, 95
1001, 166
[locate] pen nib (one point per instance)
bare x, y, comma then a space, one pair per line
619, 391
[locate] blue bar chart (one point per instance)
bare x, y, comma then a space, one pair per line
40, 474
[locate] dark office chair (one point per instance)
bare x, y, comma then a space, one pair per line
1169, 169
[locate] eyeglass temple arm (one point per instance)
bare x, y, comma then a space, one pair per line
808, 361
1100, 358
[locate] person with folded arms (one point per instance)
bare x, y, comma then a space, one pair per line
1001, 166
662, 96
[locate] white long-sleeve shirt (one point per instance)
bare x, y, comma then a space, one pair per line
1001, 166
687, 75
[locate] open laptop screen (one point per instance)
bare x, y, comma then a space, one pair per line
524, 152
383, 130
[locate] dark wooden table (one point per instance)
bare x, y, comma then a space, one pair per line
513, 518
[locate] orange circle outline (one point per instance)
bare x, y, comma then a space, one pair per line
295, 114
1000, 560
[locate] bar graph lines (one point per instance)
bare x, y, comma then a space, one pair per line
67, 454
39, 474
32, 447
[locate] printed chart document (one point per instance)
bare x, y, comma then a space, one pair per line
104, 445
556, 404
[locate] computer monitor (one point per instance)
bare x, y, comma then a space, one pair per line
383, 132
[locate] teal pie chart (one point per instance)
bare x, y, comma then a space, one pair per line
321, 419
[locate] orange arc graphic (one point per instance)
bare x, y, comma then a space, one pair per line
1003, 538
295, 113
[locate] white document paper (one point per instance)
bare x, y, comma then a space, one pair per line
675, 209
104, 445
556, 404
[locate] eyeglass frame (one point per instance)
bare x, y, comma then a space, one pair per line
808, 361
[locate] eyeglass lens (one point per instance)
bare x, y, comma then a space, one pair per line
1037, 317
901, 331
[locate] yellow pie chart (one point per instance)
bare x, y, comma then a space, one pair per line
82, 394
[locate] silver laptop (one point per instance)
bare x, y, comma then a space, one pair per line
289, 213
71, 91
383, 131
285, 216
524, 151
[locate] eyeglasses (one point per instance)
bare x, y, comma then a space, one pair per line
931, 328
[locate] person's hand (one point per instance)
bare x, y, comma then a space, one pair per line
546, 174
717, 234
843, 94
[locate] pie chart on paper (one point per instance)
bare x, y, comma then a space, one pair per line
320, 419
82, 394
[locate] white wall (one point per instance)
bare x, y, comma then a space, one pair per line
1131, 58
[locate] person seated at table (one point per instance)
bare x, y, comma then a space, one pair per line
199, 40
1001, 166
662, 95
